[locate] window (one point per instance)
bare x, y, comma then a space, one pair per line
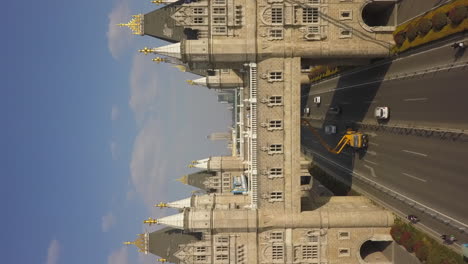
219, 29
343, 235
200, 258
277, 252
226, 184
219, 2
198, 10
219, 20
276, 100
276, 235
276, 148
343, 252
310, 15
221, 257
225, 70
313, 30
219, 10
222, 239
345, 33
275, 124
275, 33
221, 249
275, 76
345, 15
277, 15
276, 196
276, 171
309, 251
198, 20
201, 249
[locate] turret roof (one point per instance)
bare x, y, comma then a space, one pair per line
165, 242
197, 179
159, 24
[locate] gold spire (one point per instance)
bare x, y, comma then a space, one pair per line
158, 2
162, 260
180, 67
161, 205
194, 161
136, 24
159, 59
183, 180
146, 50
141, 243
191, 166
150, 221
191, 83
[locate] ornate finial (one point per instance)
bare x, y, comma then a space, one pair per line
141, 243
180, 67
191, 83
136, 24
191, 166
183, 180
194, 161
146, 50
128, 243
158, 2
161, 205
162, 260
150, 221
159, 59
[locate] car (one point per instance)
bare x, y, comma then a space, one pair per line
381, 112
335, 110
330, 129
307, 111
317, 99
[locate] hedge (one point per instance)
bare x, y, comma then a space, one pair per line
444, 21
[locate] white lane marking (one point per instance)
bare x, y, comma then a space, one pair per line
415, 153
373, 144
371, 171
414, 99
375, 183
373, 153
371, 162
414, 177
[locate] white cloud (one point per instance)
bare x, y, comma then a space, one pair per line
119, 38
53, 252
119, 256
114, 113
108, 221
148, 166
143, 87
113, 149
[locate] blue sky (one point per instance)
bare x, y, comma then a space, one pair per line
93, 133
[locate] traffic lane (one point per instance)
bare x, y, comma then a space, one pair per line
389, 164
428, 101
436, 57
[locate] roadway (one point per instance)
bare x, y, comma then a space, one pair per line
429, 170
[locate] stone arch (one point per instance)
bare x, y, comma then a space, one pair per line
378, 15
376, 250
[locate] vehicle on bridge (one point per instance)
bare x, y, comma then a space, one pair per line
354, 139
381, 112
317, 99
330, 129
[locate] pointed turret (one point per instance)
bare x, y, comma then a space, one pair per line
220, 164
176, 221
180, 204
163, 2
171, 50
201, 81
198, 179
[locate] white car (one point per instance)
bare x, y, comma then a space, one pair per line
381, 112
330, 129
307, 111
317, 99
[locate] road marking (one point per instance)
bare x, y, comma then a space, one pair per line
371, 162
415, 99
373, 153
415, 153
371, 170
375, 183
373, 144
414, 177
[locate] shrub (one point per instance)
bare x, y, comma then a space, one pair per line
439, 20
396, 232
411, 32
457, 14
421, 250
424, 26
400, 38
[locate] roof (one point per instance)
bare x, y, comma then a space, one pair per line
165, 242
159, 24
198, 178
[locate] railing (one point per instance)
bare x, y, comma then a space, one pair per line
253, 136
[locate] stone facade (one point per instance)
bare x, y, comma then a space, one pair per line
259, 48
